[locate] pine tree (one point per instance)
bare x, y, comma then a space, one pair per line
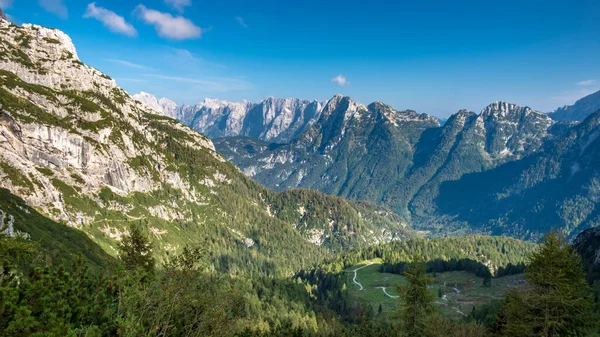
135, 251
559, 302
417, 306
561, 297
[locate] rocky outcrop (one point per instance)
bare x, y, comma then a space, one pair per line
58, 114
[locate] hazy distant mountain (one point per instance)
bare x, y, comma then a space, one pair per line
276, 120
578, 111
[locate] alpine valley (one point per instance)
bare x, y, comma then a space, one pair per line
135, 216
476, 173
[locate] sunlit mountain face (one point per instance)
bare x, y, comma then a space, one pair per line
178, 168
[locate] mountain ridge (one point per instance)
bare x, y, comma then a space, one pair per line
407, 155
84, 153
580, 110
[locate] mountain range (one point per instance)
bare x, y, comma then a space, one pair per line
274, 120
80, 151
578, 111
400, 159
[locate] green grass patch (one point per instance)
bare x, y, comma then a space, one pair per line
16, 177
463, 291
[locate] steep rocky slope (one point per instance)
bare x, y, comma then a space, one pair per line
275, 120
82, 152
578, 111
395, 158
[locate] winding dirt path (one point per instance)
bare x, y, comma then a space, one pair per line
357, 269
386, 293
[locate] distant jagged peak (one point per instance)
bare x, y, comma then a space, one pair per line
345, 105
149, 100
167, 102
503, 110
460, 117
399, 116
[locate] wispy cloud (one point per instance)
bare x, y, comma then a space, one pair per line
221, 84
179, 4
126, 79
57, 7
241, 21
115, 23
186, 58
185, 55
169, 26
6, 3
586, 82
129, 64
340, 80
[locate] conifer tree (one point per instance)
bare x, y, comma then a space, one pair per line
417, 306
135, 251
559, 302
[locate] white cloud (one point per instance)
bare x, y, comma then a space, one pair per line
586, 82
340, 80
169, 26
210, 84
6, 3
241, 21
129, 64
56, 7
179, 4
115, 23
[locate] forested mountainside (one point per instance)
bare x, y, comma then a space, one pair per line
394, 158
273, 119
556, 187
587, 245
80, 150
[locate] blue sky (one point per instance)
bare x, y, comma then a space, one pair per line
432, 56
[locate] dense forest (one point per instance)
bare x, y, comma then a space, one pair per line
136, 295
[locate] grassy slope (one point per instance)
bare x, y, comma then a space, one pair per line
470, 293
61, 243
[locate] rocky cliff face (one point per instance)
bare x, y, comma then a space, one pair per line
59, 115
83, 152
276, 120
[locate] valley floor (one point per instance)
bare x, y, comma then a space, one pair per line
460, 291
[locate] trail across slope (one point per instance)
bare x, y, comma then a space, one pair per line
357, 269
386, 293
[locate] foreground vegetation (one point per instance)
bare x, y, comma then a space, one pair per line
136, 296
